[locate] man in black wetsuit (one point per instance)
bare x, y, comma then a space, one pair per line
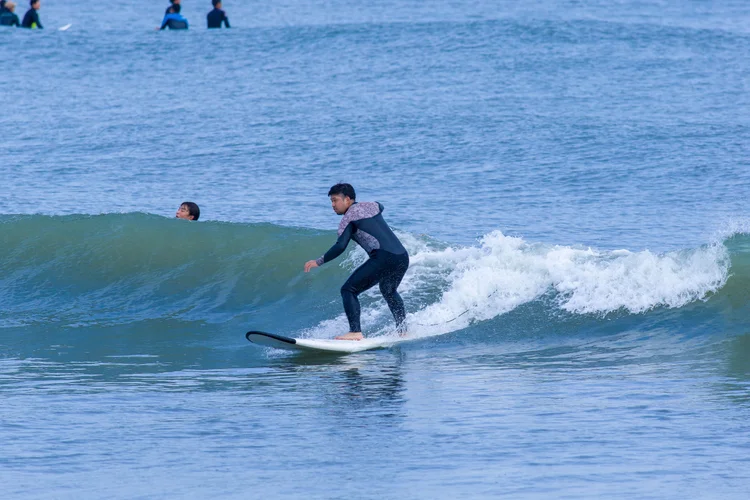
7, 16
31, 19
387, 265
217, 16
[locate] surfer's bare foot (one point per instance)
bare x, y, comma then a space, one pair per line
351, 336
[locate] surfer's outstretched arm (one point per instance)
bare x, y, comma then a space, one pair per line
337, 249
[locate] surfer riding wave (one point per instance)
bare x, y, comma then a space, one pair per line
387, 265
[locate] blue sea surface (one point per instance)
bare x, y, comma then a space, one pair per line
571, 181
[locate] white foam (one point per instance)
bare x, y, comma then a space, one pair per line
731, 227
499, 274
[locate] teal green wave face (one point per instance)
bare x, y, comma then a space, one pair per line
122, 268
98, 273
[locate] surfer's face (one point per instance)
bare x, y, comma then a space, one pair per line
183, 213
341, 203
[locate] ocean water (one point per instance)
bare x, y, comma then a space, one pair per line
571, 181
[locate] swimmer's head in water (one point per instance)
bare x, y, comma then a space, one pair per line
342, 197
188, 211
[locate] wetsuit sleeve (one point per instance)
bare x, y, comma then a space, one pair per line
338, 247
226, 21
164, 22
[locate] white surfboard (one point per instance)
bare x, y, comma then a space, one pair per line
65, 28
323, 345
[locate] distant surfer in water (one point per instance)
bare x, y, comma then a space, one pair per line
188, 211
217, 16
388, 262
7, 15
173, 19
31, 19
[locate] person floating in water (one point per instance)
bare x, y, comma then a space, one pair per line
188, 211
387, 265
8, 16
31, 19
217, 16
173, 19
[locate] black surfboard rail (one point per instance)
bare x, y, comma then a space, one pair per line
280, 338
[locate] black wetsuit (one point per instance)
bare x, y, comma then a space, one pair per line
216, 17
31, 20
387, 265
7, 18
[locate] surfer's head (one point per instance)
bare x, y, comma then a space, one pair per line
10, 6
216, 4
188, 211
342, 197
35, 4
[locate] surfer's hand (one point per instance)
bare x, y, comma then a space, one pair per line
309, 265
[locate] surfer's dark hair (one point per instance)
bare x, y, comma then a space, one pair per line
343, 189
192, 209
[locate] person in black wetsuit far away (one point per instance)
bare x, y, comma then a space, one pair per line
188, 211
7, 15
174, 20
217, 16
171, 4
31, 19
387, 265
